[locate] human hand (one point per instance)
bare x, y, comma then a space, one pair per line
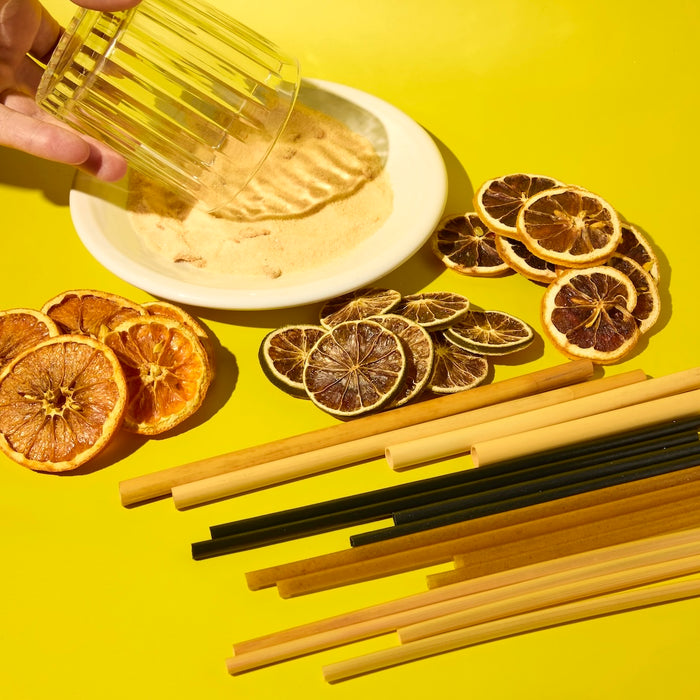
28, 31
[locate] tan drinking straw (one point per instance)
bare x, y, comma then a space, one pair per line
316, 461
417, 451
588, 428
517, 624
157, 484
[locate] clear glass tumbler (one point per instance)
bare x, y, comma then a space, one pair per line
191, 97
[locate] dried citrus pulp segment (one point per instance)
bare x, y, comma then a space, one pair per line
569, 226
455, 369
490, 333
61, 401
516, 254
354, 368
21, 329
418, 346
634, 245
499, 200
589, 314
648, 304
433, 310
283, 353
361, 303
167, 372
90, 312
465, 244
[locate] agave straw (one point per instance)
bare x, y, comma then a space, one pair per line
581, 572
616, 602
440, 545
158, 484
421, 449
316, 461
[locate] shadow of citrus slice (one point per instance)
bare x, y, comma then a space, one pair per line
61, 402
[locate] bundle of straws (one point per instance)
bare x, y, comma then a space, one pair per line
581, 492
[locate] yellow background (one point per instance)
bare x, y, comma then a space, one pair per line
98, 601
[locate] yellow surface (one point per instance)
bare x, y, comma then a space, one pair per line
97, 601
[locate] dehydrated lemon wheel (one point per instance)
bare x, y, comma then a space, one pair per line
354, 368
283, 353
455, 369
498, 201
516, 254
465, 244
569, 226
167, 372
648, 305
418, 346
490, 333
433, 310
634, 245
588, 314
90, 312
21, 329
361, 303
61, 401
169, 310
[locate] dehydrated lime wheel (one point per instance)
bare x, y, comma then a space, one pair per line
465, 244
648, 305
418, 346
361, 303
433, 310
516, 254
354, 368
498, 200
283, 353
490, 333
455, 369
569, 226
589, 314
634, 245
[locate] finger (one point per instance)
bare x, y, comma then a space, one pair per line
46, 38
107, 5
32, 134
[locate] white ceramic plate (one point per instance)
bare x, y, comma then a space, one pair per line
417, 175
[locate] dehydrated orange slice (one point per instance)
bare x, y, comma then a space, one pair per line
498, 201
21, 329
490, 333
465, 244
167, 372
589, 314
358, 304
433, 310
90, 312
61, 401
418, 346
634, 245
454, 368
169, 310
648, 305
569, 226
354, 368
516, 254
283, 353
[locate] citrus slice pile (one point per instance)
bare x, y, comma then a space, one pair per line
542, 228
61, 402
90, 363
343, 372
